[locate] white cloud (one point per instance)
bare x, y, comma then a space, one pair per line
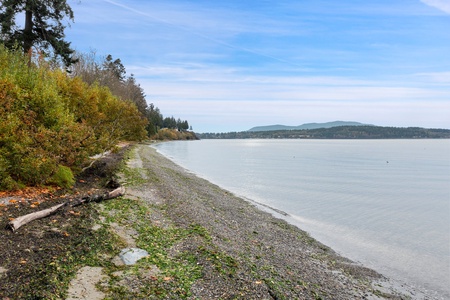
214, 82
443, 5
436, 77
281, 92
219, 98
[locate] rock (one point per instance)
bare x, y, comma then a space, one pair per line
131, 255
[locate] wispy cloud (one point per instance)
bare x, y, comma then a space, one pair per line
441, 78
217, 26
443, 5
251, 91
222, 98
241, 115
199, 19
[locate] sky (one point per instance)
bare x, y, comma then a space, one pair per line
231, 65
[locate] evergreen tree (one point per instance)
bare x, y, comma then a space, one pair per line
182, 125
170, 122
43, 28
115, 67
135, 93
155, 119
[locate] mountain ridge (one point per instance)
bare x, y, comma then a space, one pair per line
307, 126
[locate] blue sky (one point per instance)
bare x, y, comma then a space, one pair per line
231, 65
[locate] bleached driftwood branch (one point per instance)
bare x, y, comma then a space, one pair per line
22, 220
18, 222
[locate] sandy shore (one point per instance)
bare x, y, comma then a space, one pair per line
274, 260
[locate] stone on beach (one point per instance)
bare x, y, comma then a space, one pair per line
130, 256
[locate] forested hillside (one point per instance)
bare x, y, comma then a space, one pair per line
339, 132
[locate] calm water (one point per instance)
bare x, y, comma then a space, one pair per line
384, 203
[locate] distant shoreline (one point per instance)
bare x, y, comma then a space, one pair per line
339, 132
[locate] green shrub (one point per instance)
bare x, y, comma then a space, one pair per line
63, 177
6, 182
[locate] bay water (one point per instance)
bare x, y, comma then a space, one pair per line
382, 203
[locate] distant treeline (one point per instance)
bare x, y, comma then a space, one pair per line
340, 132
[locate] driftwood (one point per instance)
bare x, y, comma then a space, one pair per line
20, 221
98, 198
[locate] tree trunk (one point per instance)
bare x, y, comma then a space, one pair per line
28, 31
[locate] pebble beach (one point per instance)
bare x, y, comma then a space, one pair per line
274, 260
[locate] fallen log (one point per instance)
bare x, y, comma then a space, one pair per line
98, 198
22, 220
18, 222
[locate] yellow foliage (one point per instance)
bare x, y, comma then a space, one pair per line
173, 134
51, 123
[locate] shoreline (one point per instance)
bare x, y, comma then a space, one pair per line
238, 224
418, 284
402, 285
399, 284
203, 242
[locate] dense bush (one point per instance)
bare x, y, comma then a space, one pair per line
173, 134
50, 123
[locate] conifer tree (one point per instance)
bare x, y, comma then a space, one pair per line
43, 26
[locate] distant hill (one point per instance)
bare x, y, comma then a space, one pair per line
337, 132
306, 126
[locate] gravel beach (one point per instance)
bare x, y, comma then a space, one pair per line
273, 259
